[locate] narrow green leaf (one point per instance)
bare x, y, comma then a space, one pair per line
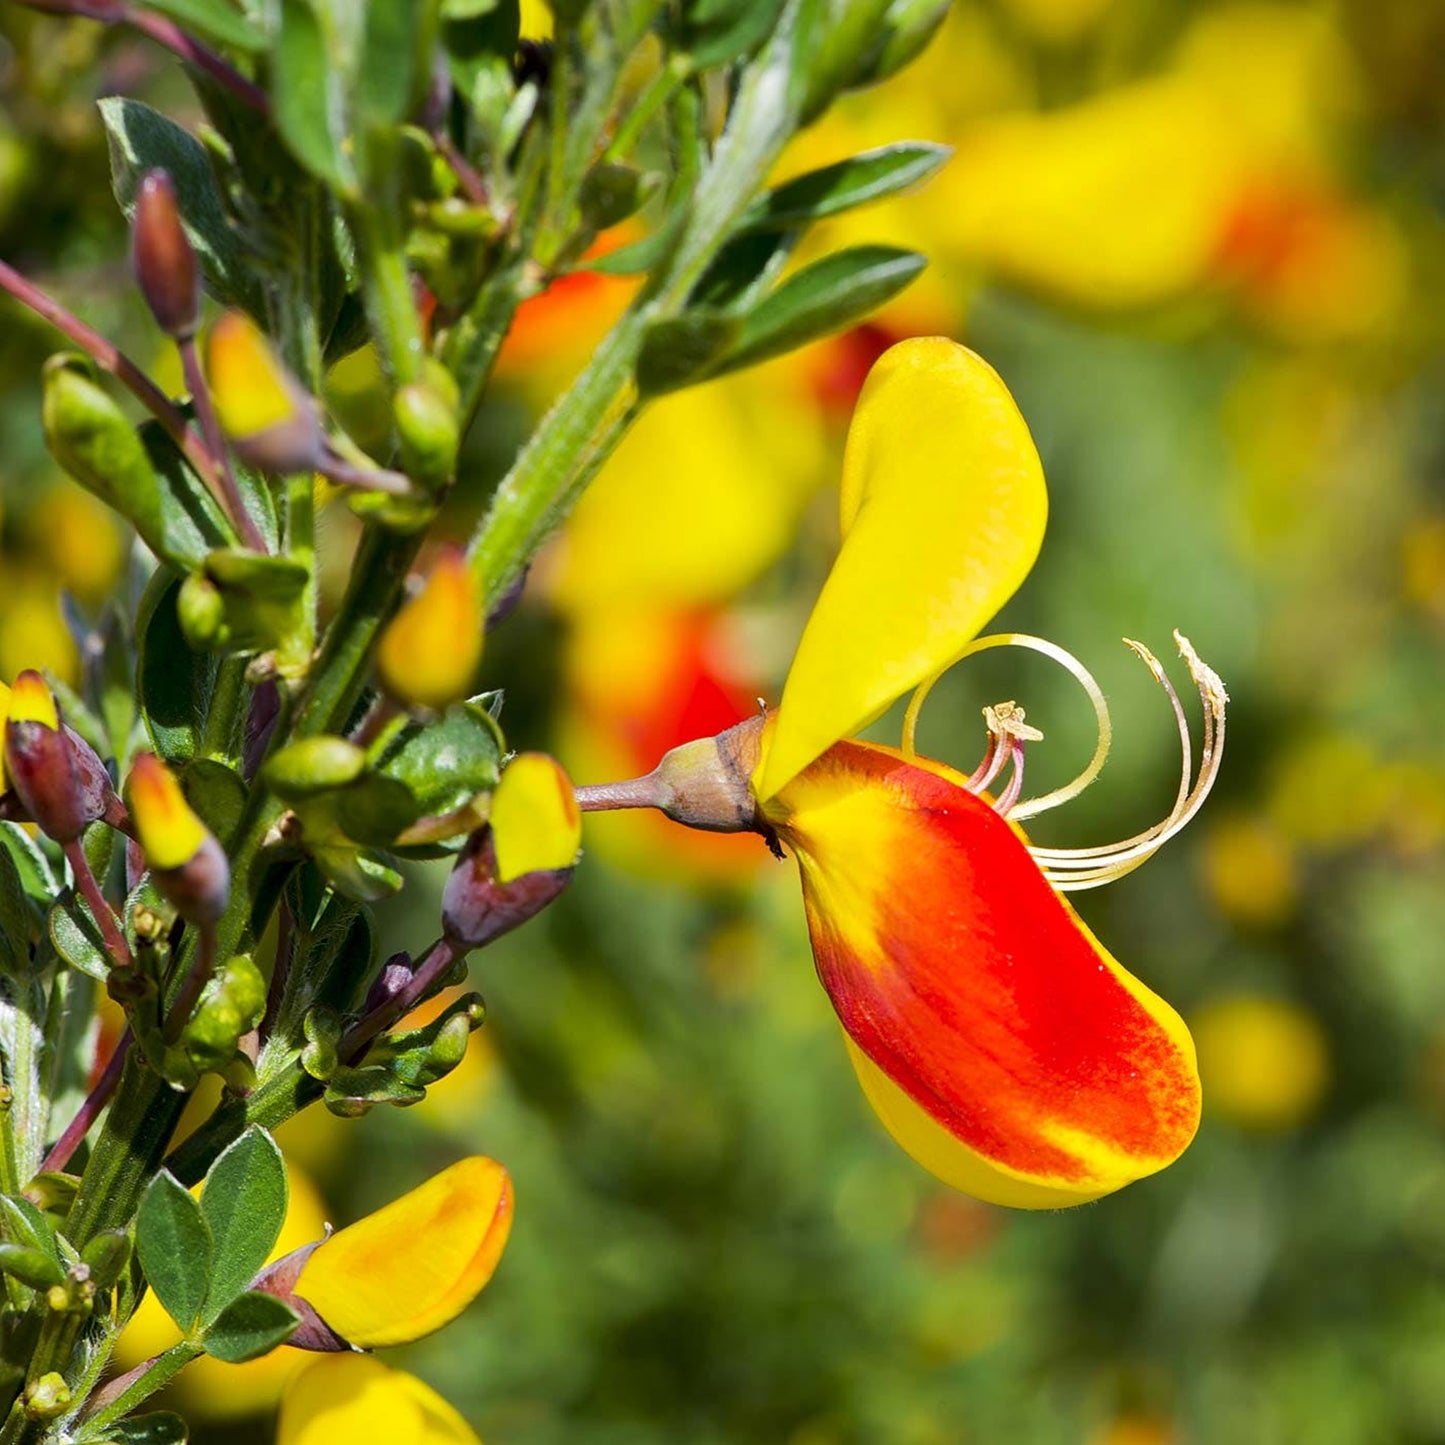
23, 1224
304, 94
243, 1203
77, 938
32, 868
173, 1243
174, 682
684, 349
827, 296
868, 176
159, 1428
249, 1327
141, 139
715, 32
396, 44
213, 20
30, 1266
744, 269
15, 917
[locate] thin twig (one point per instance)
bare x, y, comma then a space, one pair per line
202, 967
109, 357
105, 916
89, 1111
169, 34
211, 430
439, 958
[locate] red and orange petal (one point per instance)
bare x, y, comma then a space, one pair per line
998, 1042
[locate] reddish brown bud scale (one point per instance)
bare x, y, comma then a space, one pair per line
476, 908
163, 259
60, 791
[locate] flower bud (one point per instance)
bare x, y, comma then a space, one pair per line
162, 258
269, 420
189, 867
521, 860
428, 653
314, 765
47, 1398
40, 760
429, 431
89, 436
231, 1006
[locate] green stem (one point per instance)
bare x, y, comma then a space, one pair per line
225, 711
294, 653
142, 1382
386, 287
655, 94
587, 422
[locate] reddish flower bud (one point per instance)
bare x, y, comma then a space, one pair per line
57, 785
516, 865
189, 867
268, 418
162, 258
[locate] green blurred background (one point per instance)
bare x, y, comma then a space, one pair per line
1203, 246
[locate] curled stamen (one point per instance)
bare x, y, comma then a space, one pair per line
1072, 869
1070, 664
1010, 795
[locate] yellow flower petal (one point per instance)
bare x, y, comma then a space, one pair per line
32, 701
943, 509
416, 1264
360, 1401
535, 821
428, 653
249, 386
170, 833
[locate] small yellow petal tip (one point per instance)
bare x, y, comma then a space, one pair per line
251, 389
429, 652
536, 823
170, 832
32, 701
416, 1264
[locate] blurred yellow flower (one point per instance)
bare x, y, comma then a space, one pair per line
356, 1400
1249, 869
1264, 1062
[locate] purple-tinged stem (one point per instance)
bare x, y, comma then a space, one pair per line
167, 33
202, 967
65, 1146
109, 357
648, 792
439, 958
105, 916
230, 496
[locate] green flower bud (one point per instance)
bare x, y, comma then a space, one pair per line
429, 431
88, 434
47, 1398
30, 1266
106, 1255
202, 613
314, 765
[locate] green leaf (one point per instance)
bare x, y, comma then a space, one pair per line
445, 763
184, 522
744, 269
249, 1327
141, 139
715, 32
174, 682
827, 296
25, 1225
213, 20
32, 868
173, 1243
868, 176
244, 1204
396, 46
77, 937
304, 95
683, 349
16, 917
217, 793
159, 1428
30, 1266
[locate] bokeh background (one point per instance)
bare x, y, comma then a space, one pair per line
1203, 245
